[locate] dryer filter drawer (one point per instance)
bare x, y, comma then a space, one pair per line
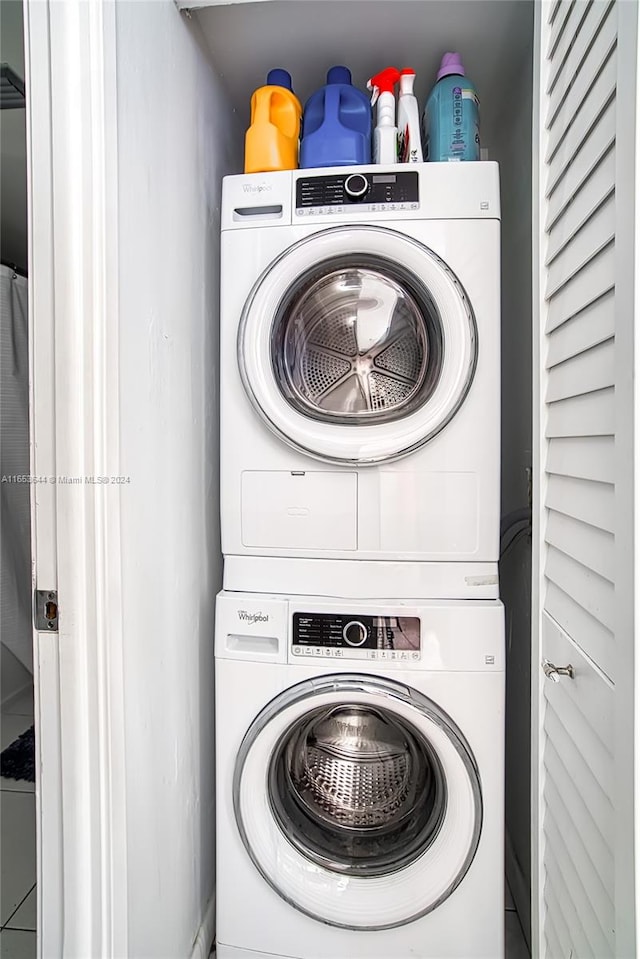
305, 510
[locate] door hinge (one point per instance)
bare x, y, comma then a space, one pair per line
45, 610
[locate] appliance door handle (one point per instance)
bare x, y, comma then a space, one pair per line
554, 672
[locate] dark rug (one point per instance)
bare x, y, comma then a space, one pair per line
18, 761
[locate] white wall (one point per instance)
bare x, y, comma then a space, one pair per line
247, 39
177, 139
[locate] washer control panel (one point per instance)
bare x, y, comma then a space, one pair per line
371, 192
351, 636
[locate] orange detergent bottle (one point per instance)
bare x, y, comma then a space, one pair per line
271, 142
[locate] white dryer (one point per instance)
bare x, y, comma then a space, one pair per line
360, 380
359, 772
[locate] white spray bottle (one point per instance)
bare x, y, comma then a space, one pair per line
385, 135
409, 145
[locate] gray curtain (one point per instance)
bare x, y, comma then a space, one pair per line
15, 544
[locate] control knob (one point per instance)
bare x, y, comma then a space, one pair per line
355, 633
355, 186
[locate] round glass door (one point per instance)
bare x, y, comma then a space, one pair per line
358, 801
357, 341
358, 344
357, 790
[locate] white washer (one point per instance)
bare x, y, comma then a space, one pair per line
359, 769
360, 380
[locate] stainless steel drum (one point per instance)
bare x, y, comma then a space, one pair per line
357, 343
357, 790
354, 768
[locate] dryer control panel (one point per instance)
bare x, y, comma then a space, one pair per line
351, 636
372, 192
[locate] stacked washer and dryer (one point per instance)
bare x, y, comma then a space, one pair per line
359, 635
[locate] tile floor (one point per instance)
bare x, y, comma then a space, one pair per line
18, 861
18, 844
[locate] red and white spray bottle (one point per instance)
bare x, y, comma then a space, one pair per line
385, 135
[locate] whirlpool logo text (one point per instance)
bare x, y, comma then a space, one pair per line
252, 618
257, 187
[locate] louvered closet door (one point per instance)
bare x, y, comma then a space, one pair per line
584, 243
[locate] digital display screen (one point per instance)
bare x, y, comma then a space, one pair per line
384, 178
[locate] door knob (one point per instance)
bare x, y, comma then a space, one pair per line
554, 672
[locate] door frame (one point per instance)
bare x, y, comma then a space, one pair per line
627, 478
74, 420
539, 480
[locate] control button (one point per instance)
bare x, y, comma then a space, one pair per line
356, 185
355, 633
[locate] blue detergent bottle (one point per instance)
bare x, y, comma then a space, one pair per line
336, 125
451, 121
